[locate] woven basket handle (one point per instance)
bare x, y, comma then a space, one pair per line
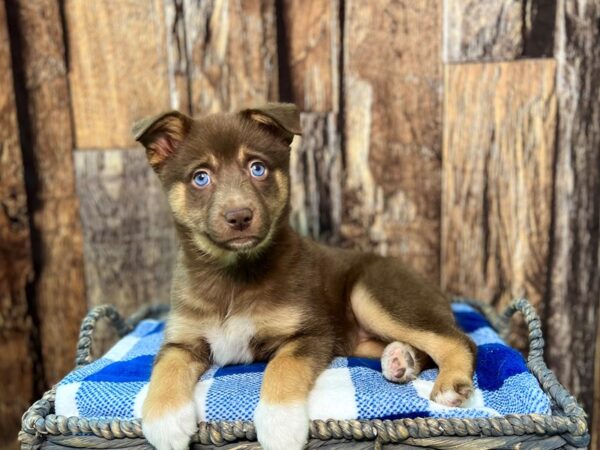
535, 359
120, 325
88, 325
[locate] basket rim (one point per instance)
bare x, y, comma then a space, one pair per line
569, 420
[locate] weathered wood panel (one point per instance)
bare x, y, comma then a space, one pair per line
16, 270
497, 30
540, 19
499, 122
129, 238
311, 38
573, 306
59, 289
316, 178
177, 63
117, 68
476, 30
393, 85
232, 52
594, 425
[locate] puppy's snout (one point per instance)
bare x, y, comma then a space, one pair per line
239, 219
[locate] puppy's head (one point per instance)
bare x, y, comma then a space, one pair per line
226, 175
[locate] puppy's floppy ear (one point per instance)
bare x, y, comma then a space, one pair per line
282, 119
161, 135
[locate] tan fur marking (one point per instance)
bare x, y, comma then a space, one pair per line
282, 185
369, 349
282, 321
288, 378
372, 317
176, 199
185, 329
225, 256
451, 355
172, 383
241, 155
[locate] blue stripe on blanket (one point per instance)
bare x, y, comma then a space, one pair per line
351, 388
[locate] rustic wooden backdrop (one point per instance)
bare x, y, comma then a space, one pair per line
463, 136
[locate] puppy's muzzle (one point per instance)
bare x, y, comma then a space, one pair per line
238, 219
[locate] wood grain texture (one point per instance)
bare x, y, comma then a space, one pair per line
316, 178
59, 288
16, 269
573, 306
117, 68
393, 85
497, 30
311, 38
129, 238
540, 20
177, 57
594, 425
499, 122
232, 52
488, 30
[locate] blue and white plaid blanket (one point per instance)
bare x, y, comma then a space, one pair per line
352, 388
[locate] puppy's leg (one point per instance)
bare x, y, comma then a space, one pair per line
372, 348
394, 305
281, 417
168, 413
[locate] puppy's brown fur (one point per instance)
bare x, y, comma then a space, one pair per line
261, 291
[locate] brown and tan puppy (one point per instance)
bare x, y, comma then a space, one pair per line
246, 287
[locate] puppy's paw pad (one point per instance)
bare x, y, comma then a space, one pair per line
398, 363
171, 430
280, 427
454, 396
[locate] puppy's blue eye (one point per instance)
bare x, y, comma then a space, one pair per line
201, 178
258, 169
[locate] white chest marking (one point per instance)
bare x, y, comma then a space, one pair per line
230, 341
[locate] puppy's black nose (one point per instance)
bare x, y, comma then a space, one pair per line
239, 219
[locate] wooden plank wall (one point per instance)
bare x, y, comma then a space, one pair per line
17, 365
392, 129
499, 122
460, 135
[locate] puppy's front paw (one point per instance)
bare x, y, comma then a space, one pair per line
452, 391
399, 363
281, 427
170, 429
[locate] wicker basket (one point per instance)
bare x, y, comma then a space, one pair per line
565, 428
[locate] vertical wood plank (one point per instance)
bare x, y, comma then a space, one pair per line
573, 304
594, 425
129, 238
232, 49
316, 178
311, 37
59, 288
497, 30
499, 122
177, 63
16, 365
393, 85
117, 68
488, 30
